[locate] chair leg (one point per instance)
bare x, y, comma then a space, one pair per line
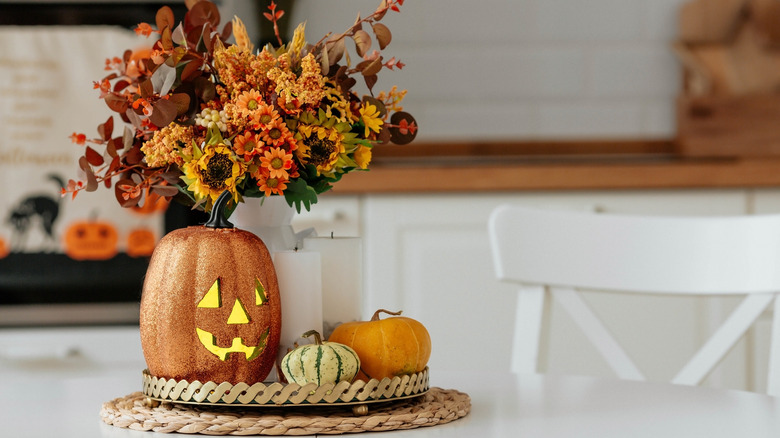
773, 380
528, 329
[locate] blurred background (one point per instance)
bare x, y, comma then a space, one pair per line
630, 106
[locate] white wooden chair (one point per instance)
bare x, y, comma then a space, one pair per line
561, 252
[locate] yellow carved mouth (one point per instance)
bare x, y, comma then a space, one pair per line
209, 341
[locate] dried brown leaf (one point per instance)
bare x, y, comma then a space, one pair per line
164, 112
362, 42
182, 102
166, 39
203, 12
335, 49
164, 18
370, 68
383, 35
93, 157
191, 69
106, 129
116, 103
146, 88
370, 81
381, 10
165, 190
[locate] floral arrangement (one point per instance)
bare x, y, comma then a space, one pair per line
203, 115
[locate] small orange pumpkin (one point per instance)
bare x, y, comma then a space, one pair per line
141, 242
210, 307
90, 240
387, 348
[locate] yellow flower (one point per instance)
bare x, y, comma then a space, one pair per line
241, 35
362, 156
215, 171
299, 40
319, 146
370, 115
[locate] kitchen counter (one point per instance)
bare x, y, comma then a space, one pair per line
474, 167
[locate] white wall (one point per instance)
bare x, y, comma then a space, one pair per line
526, 69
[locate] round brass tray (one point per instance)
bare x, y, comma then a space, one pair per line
276, 394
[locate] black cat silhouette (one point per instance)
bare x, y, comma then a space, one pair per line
43, 207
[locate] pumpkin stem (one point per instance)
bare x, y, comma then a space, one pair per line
217, 215
376, 314
316, 334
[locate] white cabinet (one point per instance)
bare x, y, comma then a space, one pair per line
429, 255
71, 351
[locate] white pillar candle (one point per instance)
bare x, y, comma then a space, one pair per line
342, 278
300, 286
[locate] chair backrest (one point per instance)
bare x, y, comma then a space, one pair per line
562, 252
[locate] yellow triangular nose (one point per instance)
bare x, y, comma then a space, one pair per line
238, 314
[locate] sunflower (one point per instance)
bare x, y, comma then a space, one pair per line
319, 146
211, 172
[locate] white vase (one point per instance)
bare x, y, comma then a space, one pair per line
271, 220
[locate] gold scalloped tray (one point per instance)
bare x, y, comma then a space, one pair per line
280, 394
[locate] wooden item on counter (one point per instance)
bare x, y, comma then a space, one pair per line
730, 101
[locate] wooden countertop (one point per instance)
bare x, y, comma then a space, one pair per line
475, 167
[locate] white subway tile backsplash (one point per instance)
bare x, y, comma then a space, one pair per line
637, 70
660, 20
474, 121
526, 68
588, 20
578, 119
659, 118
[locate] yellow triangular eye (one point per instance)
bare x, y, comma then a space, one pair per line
212, 299
260, 294
238, 314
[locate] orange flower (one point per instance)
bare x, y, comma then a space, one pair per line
247, 144
276, 133
144, 29
79, 138
278, 162
291, 107
271, 185
265, 115
249, 102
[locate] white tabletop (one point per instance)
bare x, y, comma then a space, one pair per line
66, 405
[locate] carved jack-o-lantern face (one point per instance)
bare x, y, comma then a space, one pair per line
210, 309
238, 315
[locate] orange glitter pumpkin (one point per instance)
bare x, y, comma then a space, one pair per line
90, 240
388, 347
210, 309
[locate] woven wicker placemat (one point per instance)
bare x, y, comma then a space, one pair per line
437, 406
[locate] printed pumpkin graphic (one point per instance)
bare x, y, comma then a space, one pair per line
141, 242
90, 240
4, 248
210, 308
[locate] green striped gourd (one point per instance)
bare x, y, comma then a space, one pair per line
320, 363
